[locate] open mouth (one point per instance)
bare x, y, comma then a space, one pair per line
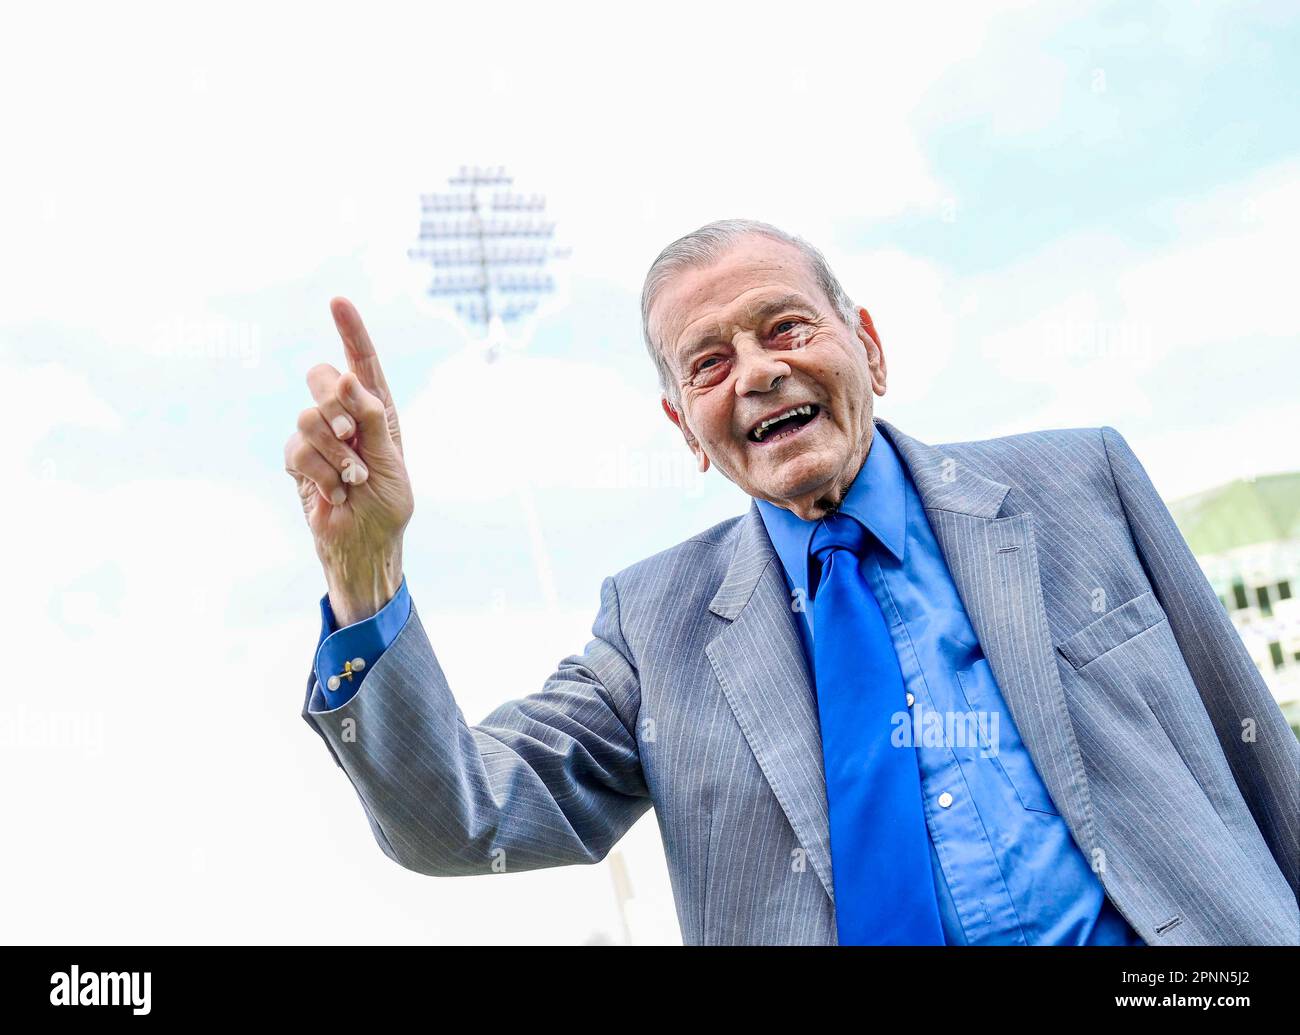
784, 425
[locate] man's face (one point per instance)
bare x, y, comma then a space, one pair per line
728, 332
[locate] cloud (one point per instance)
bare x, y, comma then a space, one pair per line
46, 396
907, 297
478, 430
1102, 345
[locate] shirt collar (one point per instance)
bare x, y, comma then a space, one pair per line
876, 498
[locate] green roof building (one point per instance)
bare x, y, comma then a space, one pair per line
1246, 537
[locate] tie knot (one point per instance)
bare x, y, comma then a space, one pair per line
838, 532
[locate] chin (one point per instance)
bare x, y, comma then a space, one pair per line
799, 475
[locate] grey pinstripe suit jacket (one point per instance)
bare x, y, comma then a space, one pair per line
1156, 737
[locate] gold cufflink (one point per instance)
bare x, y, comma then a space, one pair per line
349, 667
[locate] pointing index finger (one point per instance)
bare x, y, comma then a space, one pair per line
362, 358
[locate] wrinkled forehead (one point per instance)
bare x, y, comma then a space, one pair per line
709, 295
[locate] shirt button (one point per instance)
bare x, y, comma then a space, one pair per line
945, 799
910, 699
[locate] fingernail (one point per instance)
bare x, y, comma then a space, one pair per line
338, 496
342, 426
354, 473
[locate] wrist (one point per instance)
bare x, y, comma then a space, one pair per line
363, 589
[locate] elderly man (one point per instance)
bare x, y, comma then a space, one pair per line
976, 694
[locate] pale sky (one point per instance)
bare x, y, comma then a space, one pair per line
1070, 218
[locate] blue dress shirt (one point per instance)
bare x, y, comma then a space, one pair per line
339, 648
1006, 869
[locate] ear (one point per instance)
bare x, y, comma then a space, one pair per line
875, 353
676, 418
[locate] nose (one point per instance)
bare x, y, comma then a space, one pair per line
758, 370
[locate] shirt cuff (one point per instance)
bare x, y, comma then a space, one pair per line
348, 654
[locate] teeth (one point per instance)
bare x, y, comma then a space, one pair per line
806, 409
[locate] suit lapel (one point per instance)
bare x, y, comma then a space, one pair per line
760, 664
991, 553
990, 547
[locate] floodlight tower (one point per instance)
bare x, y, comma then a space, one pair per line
490, 247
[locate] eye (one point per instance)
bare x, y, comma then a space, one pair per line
708, 372
792, 321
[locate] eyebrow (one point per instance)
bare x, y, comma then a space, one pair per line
756, 314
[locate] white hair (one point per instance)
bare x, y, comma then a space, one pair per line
705, 246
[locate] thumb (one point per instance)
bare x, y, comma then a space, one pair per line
374, 436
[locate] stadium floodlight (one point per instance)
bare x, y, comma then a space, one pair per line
489, 247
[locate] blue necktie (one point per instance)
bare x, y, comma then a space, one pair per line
880, 847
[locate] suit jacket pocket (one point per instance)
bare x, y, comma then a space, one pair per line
1113, 629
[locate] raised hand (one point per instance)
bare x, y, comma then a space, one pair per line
346, 458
